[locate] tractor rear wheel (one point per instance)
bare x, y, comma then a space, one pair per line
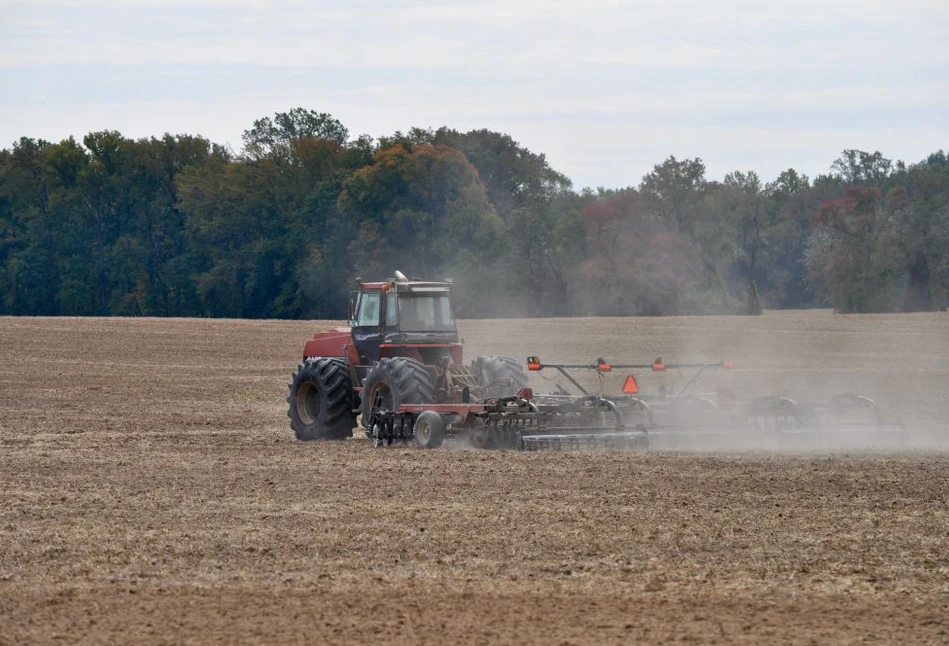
320, 400
502, 376
392, 382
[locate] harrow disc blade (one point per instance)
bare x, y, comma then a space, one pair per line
620, 441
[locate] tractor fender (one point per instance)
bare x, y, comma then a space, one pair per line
328, 344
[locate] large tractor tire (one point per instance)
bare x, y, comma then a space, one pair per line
393, 382
320, 400
502, 376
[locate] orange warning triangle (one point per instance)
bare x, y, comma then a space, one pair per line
630, 387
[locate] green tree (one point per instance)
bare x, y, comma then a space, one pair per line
38, 187
426, 212
673, 190
274, 137
920, 217
860, 168
321, 235
789, 208
155, 245
514, 177
235, 231
529, 197
739, 233
266, 239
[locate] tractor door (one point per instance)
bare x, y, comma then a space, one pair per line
367, 327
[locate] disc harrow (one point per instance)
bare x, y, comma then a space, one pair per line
674, 414
630, 420
518, 423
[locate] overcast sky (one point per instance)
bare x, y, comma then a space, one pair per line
605, 89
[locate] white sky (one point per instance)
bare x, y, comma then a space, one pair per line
605, 89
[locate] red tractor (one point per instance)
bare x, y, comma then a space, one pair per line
401, 347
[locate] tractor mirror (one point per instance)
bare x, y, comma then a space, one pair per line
353, 295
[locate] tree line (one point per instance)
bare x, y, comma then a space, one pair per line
181, 226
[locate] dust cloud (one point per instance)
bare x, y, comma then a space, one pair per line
899, 361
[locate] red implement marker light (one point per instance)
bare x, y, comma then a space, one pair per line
727, 364
533, 363
630, 387
658, 365
603, 366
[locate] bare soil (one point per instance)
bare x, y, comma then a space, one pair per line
151, 492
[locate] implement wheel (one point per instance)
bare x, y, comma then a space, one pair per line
320, 400
393, 382
429, 430
479, 435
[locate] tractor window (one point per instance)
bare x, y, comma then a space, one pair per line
368, 315
425, 314
392, 310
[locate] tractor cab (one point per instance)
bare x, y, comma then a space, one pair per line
403, 318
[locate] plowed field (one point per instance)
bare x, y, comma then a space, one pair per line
151, 492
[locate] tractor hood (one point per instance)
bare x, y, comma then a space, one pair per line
328, 344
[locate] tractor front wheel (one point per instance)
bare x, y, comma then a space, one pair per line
320, 400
